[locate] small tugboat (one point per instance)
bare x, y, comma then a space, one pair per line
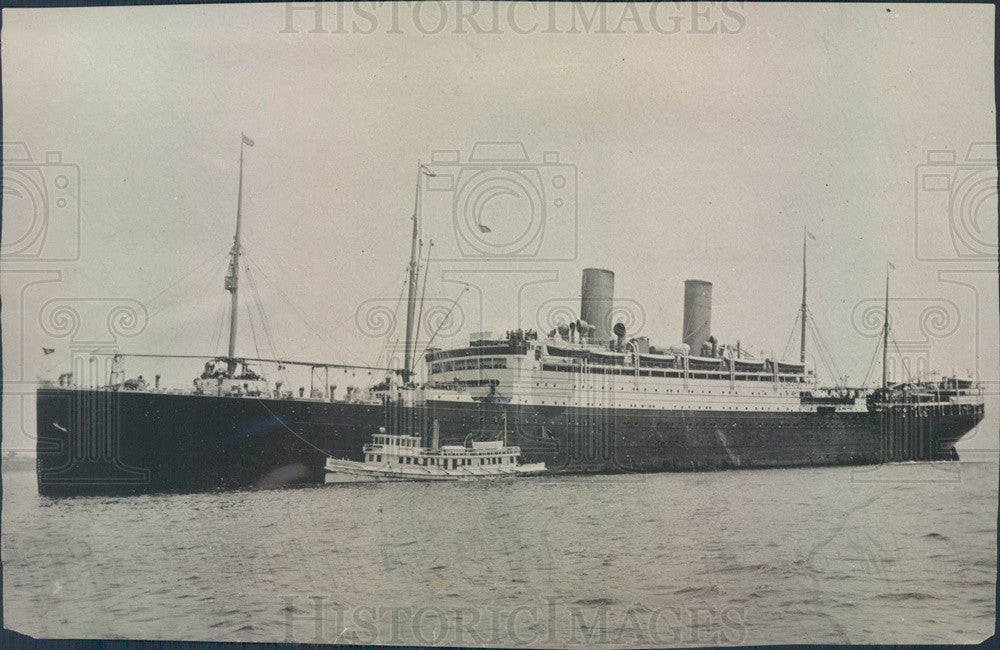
401, 458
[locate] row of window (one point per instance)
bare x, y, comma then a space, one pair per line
518, 349
474, 363
675, 374
464, 383
675, 363
443, 462
679, 407
680, 390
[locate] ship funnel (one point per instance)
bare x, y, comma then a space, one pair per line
697, 314
596, 297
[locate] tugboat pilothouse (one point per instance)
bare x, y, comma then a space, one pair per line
402, 458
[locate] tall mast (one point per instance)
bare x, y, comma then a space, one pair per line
423, 293
802, 349
232, 279
885, 331
411, 294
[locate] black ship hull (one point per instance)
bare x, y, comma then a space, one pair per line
122, 442
579, 440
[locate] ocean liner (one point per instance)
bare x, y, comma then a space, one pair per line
583, 397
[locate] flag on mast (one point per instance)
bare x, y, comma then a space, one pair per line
247, 140
892, 266
810, 235
48, 350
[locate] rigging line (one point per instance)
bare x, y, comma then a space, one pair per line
210, 258
292, 431
265, 319
871, 364
253, 303
248, 303
262, 316
902, 360
444, 320
423, 294
298, 311
388, 335
827, 353
262, 313
317, 364
184, 331
270, 337
832, 357
305, 319
253, 330
790, 335
192, 329
821, 350
820, 341
830, 367
331, 325
222, 319
61, 361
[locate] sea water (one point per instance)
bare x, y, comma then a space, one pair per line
900, 553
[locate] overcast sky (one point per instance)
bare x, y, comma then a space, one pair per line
687, 147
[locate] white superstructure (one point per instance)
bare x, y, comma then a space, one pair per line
527, 370
402, 458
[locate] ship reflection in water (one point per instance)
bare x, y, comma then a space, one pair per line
282, 476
